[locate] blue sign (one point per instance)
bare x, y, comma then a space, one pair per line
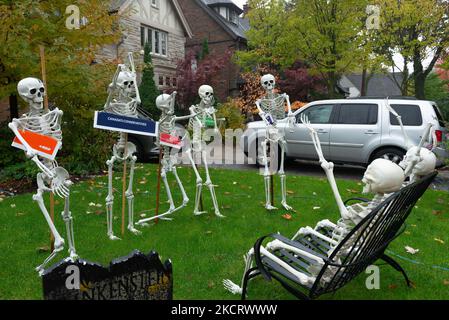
114, 122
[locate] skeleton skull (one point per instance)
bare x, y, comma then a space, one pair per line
426, 162
32, 90
206, 94
125, 81
383, 176
163, 103
268, 82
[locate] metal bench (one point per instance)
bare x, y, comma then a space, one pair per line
364, 245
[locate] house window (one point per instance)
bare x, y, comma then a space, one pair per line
161, 80
175, 82
154, 3
157, 39
167, 81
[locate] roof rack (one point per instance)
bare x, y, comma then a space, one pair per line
382, 97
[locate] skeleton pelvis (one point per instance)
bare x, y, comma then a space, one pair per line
119, 150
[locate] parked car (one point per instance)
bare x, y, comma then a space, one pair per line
355, 131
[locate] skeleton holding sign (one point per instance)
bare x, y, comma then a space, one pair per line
167, 140
124, 87
42, 126
272, 109
202, 116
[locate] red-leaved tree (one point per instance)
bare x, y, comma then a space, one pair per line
193, 72
300, 84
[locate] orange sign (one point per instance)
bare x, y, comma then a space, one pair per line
42, 145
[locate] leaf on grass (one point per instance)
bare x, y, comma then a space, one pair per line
19, 214
234, 183
43, 249
413, 225
440, 201
98, 205
411, 250
143, 215
1, 199
316, 208
352, 191
446, 282
226, 207
437, 212
209, 232
290, 192
392, 286
13, 205
227, 193
438, 240
287, 216
98, 212
91, 204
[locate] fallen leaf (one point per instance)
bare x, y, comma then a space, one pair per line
438, 240
437, 212
13, 205
287, 216
392, 286
446, 282
98, 212
352, 191
440, 201
411, 250
91, 204
290, 192
19, 214
208, 232
143, 215
316, 208
98, 205
227, 193
43, 249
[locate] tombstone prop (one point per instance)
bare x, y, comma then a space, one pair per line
135, 277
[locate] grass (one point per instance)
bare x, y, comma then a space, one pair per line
205, 250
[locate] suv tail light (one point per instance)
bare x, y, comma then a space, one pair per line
439, 135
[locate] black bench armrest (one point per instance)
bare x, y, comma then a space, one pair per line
357, 199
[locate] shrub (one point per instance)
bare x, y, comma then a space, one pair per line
231, 111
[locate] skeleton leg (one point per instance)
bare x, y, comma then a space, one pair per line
283, 177
110, 200
267, 177
185, 198
309, 231
199, 185
231, 286
68, 219
59, 241
130, 197
211, 186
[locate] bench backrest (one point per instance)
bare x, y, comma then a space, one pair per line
368, 240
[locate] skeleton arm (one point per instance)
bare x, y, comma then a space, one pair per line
416, 158
262, 113
194, 115
328, 168
133, 70
113, 86
399, 118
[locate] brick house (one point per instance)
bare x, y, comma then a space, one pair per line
219, 22
158, 22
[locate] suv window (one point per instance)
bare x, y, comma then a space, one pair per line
358, 113
439, 115
411, 115
318, 114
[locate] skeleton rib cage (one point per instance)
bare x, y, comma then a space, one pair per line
274, 106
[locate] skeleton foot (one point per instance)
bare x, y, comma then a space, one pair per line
199, 213
270, 207
59, 246
134, 230
287, 207
113, 238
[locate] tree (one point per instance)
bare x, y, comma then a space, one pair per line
437, 90
418, 31
324, 34
148, 89
300, 84
192, 73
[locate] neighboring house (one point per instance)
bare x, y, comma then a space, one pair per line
158, 22
379, 85
219, 22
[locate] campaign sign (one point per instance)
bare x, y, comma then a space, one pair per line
114, 122
44, 146
170, 141
134, 277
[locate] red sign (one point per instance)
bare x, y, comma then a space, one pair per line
170, 141
42, 145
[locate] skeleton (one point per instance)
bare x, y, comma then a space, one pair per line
124, 86
418, 161
167, 125
272, 109
52, 177
382, 178
202, 115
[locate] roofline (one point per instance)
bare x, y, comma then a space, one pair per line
175, 3
217, 19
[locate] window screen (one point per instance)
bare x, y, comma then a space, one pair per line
358, 114
410, 114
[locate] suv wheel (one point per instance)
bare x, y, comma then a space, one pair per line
392, 154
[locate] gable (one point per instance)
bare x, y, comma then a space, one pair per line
166, 16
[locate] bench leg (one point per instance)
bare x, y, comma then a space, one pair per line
396, 265
251, 273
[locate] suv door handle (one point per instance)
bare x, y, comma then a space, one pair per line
321, 131
371, 132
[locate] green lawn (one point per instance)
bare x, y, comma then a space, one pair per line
205, 250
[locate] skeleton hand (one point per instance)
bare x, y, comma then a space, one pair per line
60, 182
317, 143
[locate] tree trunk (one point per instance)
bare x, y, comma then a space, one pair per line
331, 84
363, 89
13, 107
419, 76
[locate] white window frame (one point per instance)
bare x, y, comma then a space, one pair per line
154, 3
159, 40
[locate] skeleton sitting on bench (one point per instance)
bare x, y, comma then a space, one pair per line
272, 109
124, 86
52, 177
167, 125
382, 177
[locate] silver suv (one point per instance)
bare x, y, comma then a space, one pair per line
355, 131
